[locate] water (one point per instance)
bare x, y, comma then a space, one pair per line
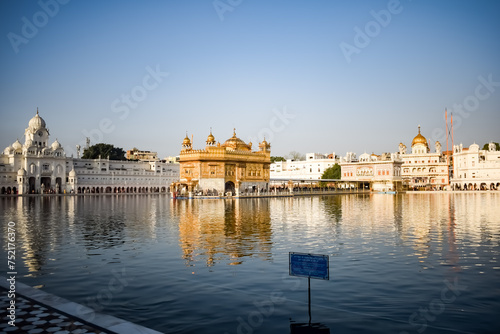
410, 263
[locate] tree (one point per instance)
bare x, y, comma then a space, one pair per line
104, 150
294, 155
333, 172
485, 147
274, 159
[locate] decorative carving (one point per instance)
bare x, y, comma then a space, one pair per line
232, 161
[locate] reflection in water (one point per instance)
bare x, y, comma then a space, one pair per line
214, 229
30, 215
44, 223
101, 226
309, 328
390, 256
421, 221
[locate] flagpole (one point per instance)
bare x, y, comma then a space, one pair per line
447, 133
452, 143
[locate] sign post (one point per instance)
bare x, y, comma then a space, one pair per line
310, 266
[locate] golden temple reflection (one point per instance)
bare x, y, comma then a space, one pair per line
221, 231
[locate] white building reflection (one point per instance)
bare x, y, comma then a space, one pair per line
47, 224
430, 228
438, 228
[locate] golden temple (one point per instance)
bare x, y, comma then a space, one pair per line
227, 169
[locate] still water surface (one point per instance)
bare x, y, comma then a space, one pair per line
410, 263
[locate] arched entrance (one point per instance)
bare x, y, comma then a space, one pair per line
45, 184
58, 184
31, 185
229, 187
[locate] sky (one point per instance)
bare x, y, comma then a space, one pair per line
309, 76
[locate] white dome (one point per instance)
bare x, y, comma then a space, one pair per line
21, 172
8, 149
474, 148
72, 173
37, 122
56, 145
17, 145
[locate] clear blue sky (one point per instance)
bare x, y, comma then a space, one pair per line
234, 63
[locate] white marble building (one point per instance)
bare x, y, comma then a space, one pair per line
117, 176
476, 169
36, 167
382, 172
423, 169
310, 169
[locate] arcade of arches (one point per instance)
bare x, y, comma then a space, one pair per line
120, 190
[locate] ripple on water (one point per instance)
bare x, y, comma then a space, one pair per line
209, 266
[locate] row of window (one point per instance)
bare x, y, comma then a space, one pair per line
415, 181
421, 170
46, 153
421, 162
121, 173
123, 179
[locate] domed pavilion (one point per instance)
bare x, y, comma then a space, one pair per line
231, 168
423, 169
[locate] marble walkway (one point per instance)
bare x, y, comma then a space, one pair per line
39, 312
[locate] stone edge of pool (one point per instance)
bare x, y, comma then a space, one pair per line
75, 310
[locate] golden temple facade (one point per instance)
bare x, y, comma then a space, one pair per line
231, 168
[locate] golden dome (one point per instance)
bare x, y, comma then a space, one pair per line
186, 141
419, 139
236, 143
264, 145
210, 138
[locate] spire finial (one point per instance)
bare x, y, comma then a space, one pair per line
37, 110
419, 129
234, 132
210, 130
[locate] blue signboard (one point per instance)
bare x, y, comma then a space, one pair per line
309, 265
